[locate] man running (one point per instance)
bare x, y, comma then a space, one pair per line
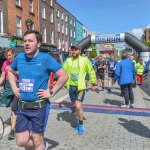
111, 71
34, 68
76, 67
100, 67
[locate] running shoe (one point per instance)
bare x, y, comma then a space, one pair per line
131, 105
11, 134
97, 90
109, 90
125, 106
81, 129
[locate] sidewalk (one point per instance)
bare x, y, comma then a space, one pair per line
113, 131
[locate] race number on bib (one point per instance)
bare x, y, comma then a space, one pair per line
26, 85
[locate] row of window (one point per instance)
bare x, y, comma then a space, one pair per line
18, 3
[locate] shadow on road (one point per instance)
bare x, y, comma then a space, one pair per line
68, 117
146, 99
113, 102
51, 143
8, 121
135, 127
115, 93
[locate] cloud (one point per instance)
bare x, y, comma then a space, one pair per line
148, 26
137, 32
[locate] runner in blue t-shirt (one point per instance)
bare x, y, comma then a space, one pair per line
111, 71
34, 68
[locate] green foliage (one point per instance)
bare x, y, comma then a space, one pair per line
147, 43
93, 53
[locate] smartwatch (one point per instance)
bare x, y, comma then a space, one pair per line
51, 92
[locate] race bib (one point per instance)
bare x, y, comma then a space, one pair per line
111, 65
26, 85
74, 76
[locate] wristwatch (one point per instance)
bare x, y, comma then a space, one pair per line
51, 92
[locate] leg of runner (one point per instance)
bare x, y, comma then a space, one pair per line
14, 109
79, 111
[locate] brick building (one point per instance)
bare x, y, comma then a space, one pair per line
147, 34
3, 17
61, 27
18, 13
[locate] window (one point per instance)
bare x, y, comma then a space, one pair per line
18, 2
57, 12
66, 18
62, 28
70, 21
71, 33
19, 29
51, 2
59, 43
62, 16
66, 30
51, 17
58, 26
44, 35
32, 27
74, 34
43, 12
74, 24
1, 22
52, 37
31, 6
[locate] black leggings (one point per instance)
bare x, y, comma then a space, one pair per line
14, 106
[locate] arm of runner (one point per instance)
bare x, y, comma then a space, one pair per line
62, 78
12, 81
2, 78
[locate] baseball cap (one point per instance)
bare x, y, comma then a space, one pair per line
76, 47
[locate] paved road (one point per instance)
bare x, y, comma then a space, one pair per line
107, 126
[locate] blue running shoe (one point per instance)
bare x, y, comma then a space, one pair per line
81, 129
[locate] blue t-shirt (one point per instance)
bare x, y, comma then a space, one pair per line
34, 73
112, 65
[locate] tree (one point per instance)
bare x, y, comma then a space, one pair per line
147, 43
93, 53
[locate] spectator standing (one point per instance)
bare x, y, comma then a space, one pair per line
140, 65
8, 98
133, 60
125, 73
76, 68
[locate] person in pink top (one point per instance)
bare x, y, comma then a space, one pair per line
8, 98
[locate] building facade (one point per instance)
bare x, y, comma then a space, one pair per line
47, 22
72, 29
147, 34
3, 18
19, 14
85, 31
79, 31
61, 27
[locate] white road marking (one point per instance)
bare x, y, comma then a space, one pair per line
7, 130
62, 98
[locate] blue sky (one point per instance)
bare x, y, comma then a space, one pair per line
110, 16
